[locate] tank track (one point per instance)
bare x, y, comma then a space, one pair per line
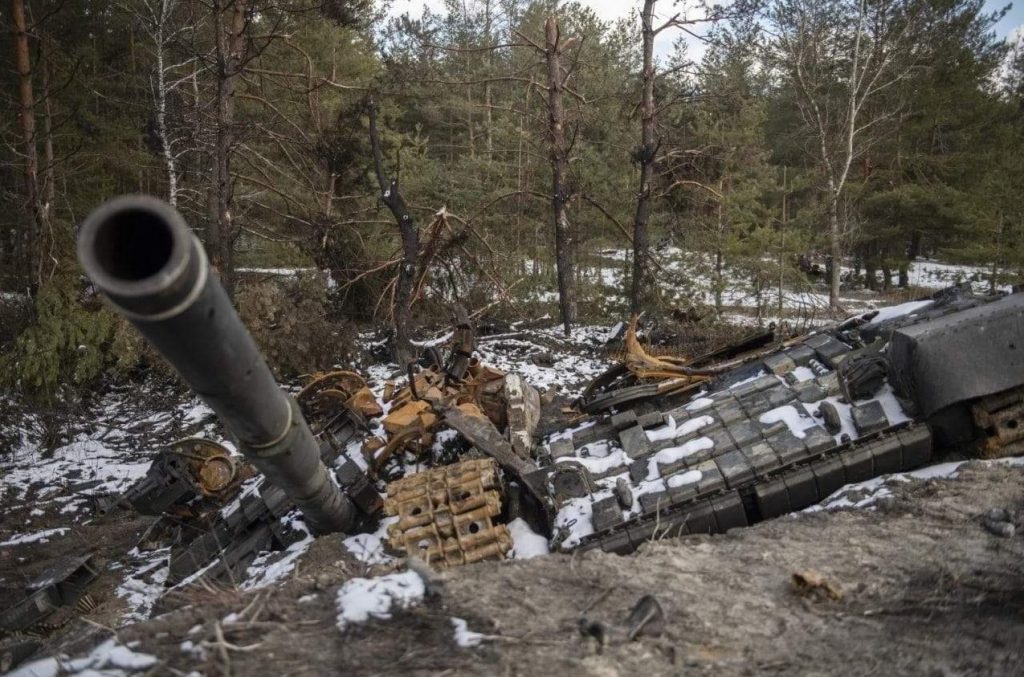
781, 432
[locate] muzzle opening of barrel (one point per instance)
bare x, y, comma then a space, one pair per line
132, 244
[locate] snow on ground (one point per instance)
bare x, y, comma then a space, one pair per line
542, 364
867, 494
464, 637
686, 278
271, 567
37, 537
360, 599
109, 659
144, 585
84, 466
111, 444
526, 543
937, 275
369, 548
281, 272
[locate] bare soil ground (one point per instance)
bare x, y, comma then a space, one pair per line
926, 590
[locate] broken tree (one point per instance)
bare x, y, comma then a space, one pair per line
391, 196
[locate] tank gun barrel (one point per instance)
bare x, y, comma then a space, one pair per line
143, 257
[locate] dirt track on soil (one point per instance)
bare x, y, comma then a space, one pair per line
925, 590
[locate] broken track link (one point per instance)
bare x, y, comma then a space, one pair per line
446, 515
1001, 420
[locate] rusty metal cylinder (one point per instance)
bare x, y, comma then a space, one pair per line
153, 270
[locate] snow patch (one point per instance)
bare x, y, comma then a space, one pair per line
801, 374
673, 454
144, 586
271, 567
796, 422
671, 431
369, 548
598, 464
38, 537
900, 310
699, 403
688, 477
526, 543
361, 599
464, 637
109, 658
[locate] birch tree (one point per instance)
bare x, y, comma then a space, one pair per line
157, 19
844, 60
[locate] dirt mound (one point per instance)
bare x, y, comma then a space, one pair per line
924, 589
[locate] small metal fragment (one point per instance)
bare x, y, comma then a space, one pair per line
646, 618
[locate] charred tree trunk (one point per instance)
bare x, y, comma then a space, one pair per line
27, 116
645, 156
559, 172
392, 198
229, 45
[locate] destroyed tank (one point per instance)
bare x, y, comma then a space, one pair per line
669, 446
781, 427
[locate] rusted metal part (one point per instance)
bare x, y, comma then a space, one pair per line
639, 376
417, 411
327, 393
482, 434
446, 516
646, 366
1001, 419
188, 469
211, 469
378, 452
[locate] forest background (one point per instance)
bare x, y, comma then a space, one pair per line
520, 157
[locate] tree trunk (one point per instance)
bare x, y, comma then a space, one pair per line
488, 117
782, 240
645, 156
994, 277
835, 249
392, 198
31, 242
160, 40
49, 161
229, 45
871, 271
559, 167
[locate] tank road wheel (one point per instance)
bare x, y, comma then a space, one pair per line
209, 466
327, 394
